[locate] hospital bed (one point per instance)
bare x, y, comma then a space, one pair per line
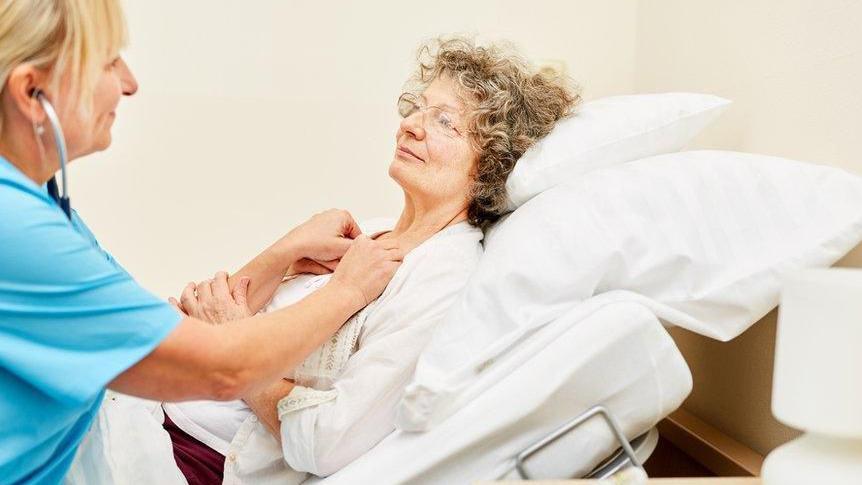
543, 397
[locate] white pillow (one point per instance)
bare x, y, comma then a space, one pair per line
703, 238
610, 131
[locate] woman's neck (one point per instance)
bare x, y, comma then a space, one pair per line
419, 222
18, 147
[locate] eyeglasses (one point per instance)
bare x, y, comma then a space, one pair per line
441, 121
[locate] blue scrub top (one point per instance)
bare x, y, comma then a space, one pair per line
71, 320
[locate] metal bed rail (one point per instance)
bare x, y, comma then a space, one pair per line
623, 457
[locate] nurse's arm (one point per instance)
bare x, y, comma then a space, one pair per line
199, 360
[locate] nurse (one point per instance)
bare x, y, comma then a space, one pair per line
72, 321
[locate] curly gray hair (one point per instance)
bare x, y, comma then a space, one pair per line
510, 107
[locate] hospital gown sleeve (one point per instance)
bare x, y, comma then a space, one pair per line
71, 319
323, 437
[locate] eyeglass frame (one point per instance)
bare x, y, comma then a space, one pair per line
414, 100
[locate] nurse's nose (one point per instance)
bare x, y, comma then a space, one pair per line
127, 79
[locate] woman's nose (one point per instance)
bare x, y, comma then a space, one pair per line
127, 79
415, 125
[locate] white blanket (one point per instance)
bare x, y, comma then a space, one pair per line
604, 351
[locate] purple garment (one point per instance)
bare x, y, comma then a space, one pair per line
200, 464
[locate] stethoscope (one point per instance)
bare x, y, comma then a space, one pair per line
60, 144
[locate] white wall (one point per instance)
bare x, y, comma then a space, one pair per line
793, 69
253, 115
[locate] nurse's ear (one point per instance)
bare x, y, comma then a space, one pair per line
23, 83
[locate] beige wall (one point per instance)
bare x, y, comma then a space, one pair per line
794, 71
253, 115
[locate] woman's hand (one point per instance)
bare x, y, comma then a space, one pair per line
323, 238
212, 300
368, 266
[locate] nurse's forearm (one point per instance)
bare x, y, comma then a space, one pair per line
225, 362
268, 346
266, 271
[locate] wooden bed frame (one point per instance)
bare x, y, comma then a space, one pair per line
691, 447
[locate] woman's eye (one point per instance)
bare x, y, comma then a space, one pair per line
445, 121
406, 109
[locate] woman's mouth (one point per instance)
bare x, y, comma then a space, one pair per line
405, 152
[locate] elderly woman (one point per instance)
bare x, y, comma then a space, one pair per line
474, 112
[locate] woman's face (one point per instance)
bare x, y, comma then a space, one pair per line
92, 132
434, 159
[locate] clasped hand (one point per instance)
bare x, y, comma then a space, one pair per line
328, 242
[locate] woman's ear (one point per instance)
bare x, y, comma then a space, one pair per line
22, 88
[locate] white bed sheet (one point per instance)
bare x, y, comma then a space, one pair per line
603, 351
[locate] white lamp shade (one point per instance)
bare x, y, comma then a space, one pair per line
817, 385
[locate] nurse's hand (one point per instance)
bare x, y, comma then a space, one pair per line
368, 266
323, 238
212, 300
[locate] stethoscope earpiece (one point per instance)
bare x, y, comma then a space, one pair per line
60, 145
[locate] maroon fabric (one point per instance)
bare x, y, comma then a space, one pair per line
200, 464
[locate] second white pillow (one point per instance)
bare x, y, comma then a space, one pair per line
609, 131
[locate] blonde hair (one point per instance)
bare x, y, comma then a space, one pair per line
70, 38
510, 105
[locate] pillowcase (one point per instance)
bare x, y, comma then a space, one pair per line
610, 131
703, 238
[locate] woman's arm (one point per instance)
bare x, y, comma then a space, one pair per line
264, 404
323, 438
203, 361
267, 270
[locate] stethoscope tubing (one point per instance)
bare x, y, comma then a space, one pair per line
60, 145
